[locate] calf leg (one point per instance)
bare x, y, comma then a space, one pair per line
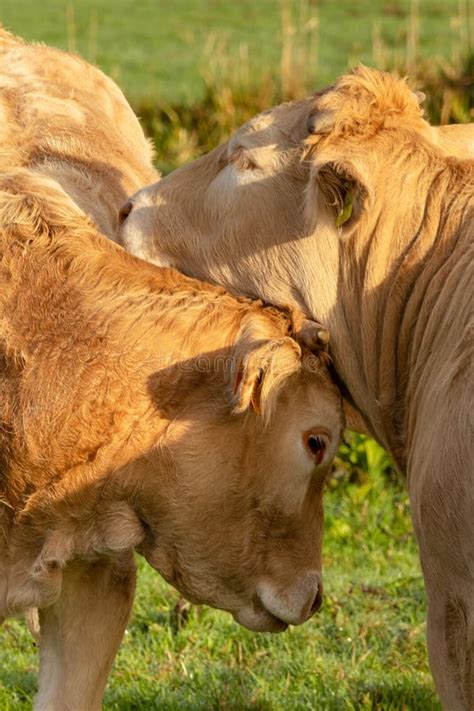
80, 634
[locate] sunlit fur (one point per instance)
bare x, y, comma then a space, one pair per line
139, 409
393, 284
145, 410
63, 118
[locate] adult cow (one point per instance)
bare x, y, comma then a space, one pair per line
372, 234
63, 118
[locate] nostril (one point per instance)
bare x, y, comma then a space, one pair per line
318, 600
125, 211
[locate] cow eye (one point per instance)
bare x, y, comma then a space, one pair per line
316, 445
242, 160
125, 211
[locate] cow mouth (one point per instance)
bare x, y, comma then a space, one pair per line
257, 618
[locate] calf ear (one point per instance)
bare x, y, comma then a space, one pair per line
261, 368
338, 190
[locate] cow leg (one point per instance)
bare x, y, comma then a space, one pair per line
450, 633
451, 649
81, 633
442, 507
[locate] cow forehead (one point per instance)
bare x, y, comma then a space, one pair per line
282, 125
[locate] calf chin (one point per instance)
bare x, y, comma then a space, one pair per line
257, 619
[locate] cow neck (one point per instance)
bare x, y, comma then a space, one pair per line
382, 294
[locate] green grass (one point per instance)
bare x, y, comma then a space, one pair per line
163, 49
364, 651
196, 69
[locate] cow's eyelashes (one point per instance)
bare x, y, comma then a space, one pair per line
242, 160
315, 444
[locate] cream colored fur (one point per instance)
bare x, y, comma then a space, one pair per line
63, 118
393, 284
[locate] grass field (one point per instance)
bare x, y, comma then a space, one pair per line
194, 70
162, 49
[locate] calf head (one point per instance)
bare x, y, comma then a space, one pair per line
227, 505
236, 521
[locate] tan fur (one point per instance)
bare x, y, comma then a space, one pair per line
139, 409
63, 118
120, 431
393, 284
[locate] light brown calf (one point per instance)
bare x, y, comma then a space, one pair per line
142, 410
370, 231
129, 399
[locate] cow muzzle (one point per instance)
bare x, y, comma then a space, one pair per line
275, 607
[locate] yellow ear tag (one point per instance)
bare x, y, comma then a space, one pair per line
345, 212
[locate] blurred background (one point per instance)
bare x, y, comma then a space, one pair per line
194, 70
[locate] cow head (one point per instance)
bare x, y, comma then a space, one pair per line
231, 499
213, 217
240, 211
361, 132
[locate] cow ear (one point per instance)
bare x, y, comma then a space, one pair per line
260, 370
342, 192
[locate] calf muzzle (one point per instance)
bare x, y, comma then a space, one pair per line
294, 604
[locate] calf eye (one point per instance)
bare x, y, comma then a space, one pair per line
315, 445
